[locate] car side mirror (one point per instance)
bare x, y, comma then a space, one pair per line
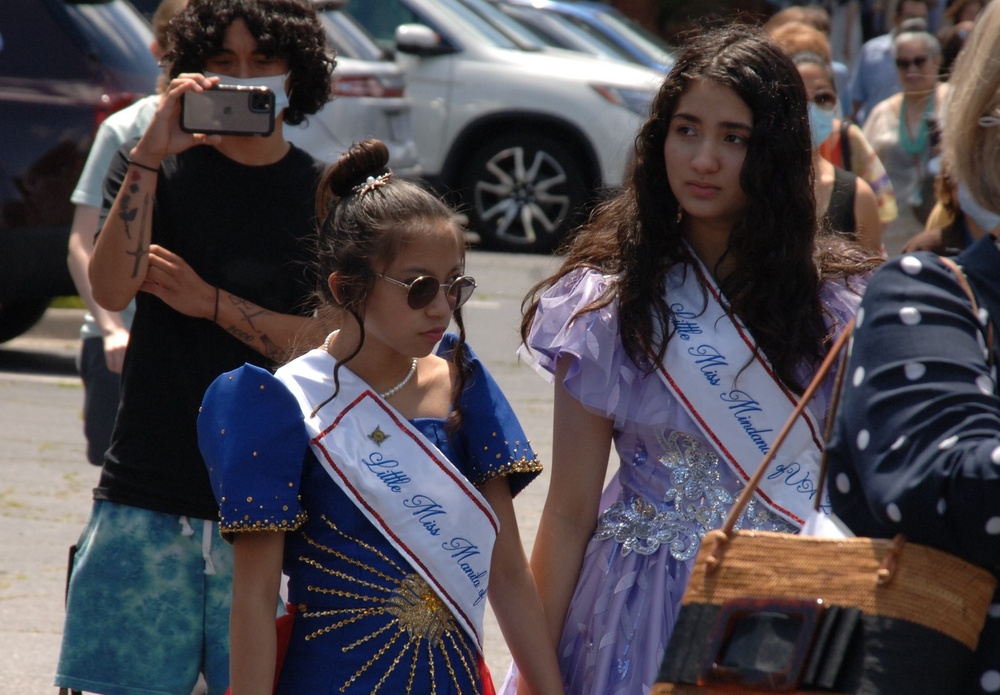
420, 40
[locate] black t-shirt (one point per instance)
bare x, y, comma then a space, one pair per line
245, 230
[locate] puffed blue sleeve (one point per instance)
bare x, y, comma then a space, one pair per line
253, 439
491, 439
916, 442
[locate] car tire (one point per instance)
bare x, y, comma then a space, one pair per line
524, 192
16, 319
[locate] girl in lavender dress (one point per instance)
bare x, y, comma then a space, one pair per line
688, 315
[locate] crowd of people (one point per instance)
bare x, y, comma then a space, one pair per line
307, 478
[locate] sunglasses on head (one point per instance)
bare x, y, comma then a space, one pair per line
421, 291
918, 62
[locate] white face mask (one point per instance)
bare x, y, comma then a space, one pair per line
276, 83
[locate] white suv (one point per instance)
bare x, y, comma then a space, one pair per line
525, 135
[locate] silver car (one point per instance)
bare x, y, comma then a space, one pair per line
370, 99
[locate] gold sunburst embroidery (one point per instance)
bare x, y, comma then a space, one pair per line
419, 631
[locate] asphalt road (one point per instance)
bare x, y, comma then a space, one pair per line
45, 480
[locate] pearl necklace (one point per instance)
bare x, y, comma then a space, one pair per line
395, 389
406, 379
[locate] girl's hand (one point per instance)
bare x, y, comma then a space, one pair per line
164, 136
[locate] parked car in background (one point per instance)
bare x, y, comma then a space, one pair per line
369, 98
557, 30
610, 25
525, 136
65, 65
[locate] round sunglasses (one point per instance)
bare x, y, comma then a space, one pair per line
421, 291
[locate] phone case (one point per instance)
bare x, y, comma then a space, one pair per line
228, 110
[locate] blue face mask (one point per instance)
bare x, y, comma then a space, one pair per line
276, 83
984, 218
820, 123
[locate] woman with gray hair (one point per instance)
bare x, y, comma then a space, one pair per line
902, 129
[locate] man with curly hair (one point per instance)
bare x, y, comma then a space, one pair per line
208, 233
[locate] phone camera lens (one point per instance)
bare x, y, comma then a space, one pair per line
260, 102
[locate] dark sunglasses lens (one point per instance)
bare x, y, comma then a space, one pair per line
460, 291
422, 292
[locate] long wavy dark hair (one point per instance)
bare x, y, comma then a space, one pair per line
286, 29
361, 233
777, 264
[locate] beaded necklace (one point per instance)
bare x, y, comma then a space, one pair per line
919, 144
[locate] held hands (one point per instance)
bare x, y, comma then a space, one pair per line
173, 281
164, 136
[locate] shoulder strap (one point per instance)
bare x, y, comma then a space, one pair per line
963, 282
845, 144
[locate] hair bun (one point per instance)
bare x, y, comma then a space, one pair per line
362, 159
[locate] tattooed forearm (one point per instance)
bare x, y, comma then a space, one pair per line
239, 333
271, 350
141, 249
127, 214
249, 310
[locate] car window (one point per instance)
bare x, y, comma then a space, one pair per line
649, 43
115, 34
25, 25
381, 18
348, 38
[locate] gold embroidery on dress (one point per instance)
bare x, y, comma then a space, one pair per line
417, 619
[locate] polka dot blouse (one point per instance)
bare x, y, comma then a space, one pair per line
916, 444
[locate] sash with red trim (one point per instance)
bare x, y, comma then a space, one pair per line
734, 396
403, 484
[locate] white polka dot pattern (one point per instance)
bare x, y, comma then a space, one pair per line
859, 318
990, 682
892, 511
864, 438
843, 483
985, 384
914, 370
948, 443
859, 376
911, 265
942, 506
993, 525
899, 443
995, 456
910, 316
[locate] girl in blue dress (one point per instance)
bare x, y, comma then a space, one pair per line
375, 473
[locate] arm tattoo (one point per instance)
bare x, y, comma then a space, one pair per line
127, 215
251, 312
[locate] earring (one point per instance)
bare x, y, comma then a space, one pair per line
680, 213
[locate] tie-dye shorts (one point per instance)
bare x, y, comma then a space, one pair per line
148, 605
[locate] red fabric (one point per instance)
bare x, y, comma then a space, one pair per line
484, 675
283, 630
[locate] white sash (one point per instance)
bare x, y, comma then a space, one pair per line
740, 412
402, 483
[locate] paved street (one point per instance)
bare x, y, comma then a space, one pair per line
45, 481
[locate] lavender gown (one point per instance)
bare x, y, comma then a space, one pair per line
670, 489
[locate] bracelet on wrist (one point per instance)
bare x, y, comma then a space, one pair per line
132, 162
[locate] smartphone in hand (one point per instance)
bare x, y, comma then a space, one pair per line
228, 110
